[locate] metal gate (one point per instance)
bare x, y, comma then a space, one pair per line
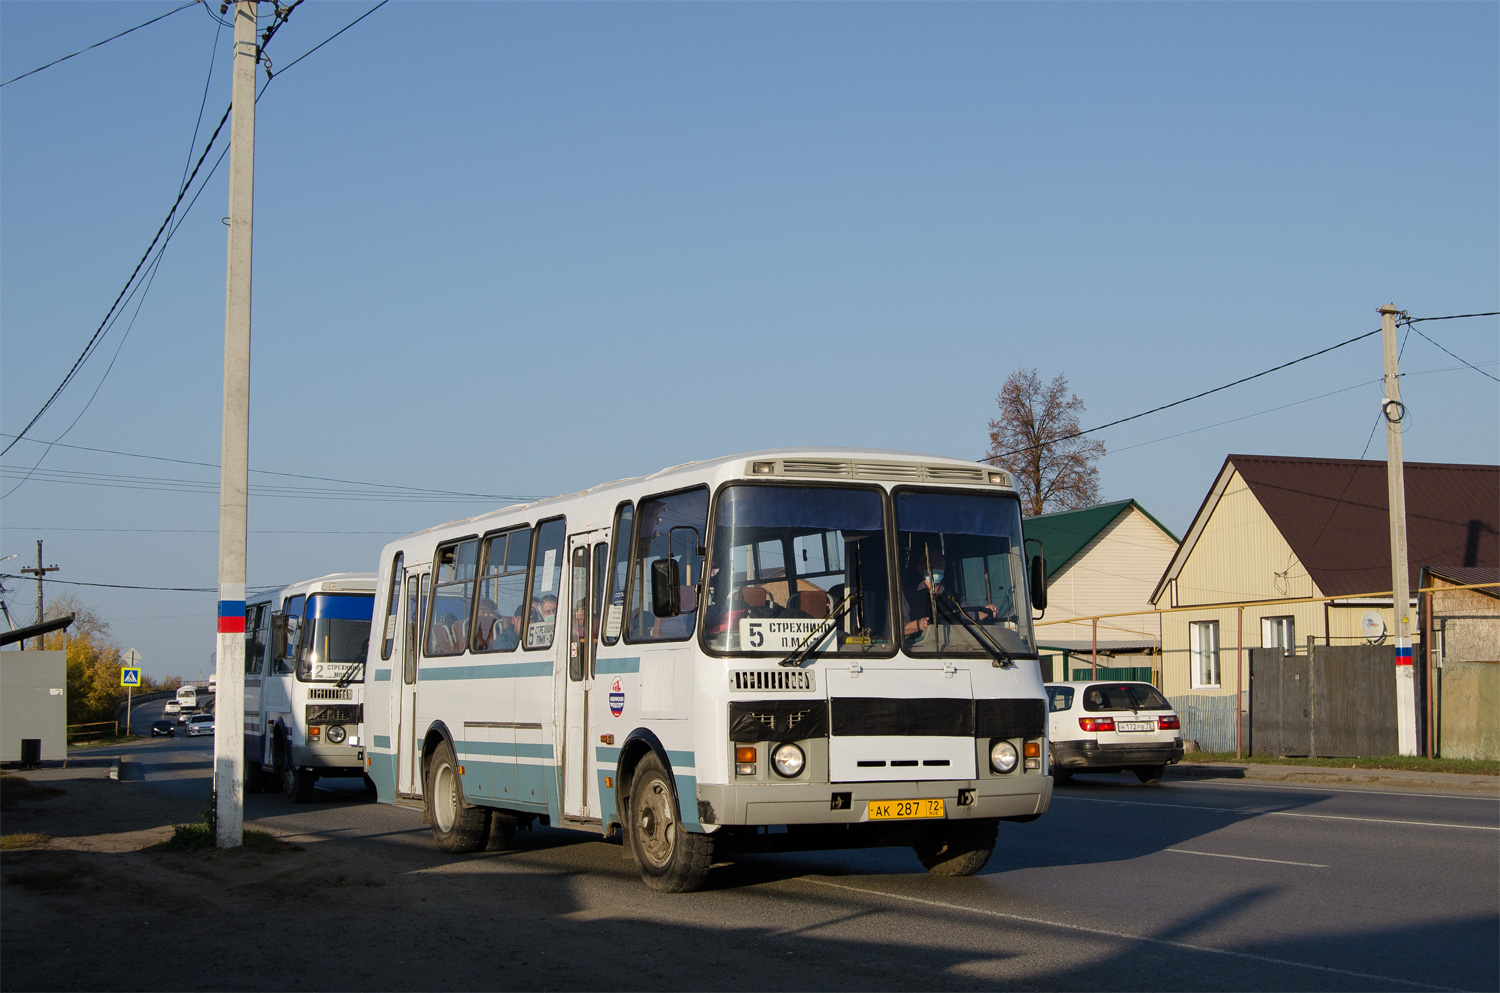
1333, 701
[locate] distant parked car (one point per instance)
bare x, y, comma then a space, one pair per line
1111, 727
166, 728
199, 724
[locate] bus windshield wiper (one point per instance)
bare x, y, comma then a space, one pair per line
830, 623
349, 671
991, 646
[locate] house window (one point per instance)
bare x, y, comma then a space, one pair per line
1203, 646
1278, 632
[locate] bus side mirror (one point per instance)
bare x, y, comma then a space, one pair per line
665, 593
278, 636
1038, 582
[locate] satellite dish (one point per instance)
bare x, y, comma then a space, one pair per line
1372, 626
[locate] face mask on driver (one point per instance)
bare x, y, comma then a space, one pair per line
937, 576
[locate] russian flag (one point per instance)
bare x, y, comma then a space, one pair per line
231, 617
1403, 655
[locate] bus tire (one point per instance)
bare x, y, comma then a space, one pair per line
671, 859
1149, 773
456, 827
502, 832
297, 784
255, 778
958, 848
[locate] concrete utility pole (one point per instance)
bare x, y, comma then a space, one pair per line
40, 572
229, 735
1395, 412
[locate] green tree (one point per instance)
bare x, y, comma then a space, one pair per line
93, 662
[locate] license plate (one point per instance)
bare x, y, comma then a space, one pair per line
890, 810
1135, 725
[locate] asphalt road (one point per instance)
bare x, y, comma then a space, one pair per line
1198, 884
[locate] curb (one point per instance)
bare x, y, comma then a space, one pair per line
1332, 776
114, 769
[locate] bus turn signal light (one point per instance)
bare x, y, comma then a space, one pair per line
1033, 750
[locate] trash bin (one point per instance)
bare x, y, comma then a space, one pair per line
31, 751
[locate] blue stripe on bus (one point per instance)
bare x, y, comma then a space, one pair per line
613, 667
505, 748
383, 771
607, 808
382, 675
611, 758
382, 741
510, 670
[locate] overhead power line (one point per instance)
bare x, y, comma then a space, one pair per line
96, 44
1178, 403
394, 487
1412, 320
161, 589
282, 15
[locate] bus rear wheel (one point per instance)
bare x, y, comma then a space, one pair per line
671, 858
456, 827
958, 848
255, 777
297, 784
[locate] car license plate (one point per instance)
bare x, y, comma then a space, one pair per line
890, 810
1135, 725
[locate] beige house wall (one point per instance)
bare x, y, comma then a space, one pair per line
1241, 556
1115, 572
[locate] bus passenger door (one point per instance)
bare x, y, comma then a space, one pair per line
408, 737
578, 755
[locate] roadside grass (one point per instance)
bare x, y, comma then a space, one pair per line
203, 833
14, 789
23, 839
1407, 763
200, 835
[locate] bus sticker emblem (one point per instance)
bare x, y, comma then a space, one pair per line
616, 697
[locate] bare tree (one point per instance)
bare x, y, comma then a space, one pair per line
1035, 439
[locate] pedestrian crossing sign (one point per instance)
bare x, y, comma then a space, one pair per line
130, 675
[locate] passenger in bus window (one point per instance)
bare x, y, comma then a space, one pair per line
547, 606
486, 624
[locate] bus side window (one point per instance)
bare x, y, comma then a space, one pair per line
615, 601
392, 607
665, 528
452, 593
413, 633
546, 581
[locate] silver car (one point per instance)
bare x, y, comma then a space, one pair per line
199, 724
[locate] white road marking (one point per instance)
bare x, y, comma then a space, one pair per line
1341, 789
1106, 933
1244, 858
1253, 812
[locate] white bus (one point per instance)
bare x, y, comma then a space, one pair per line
817, 648
187, 697
304, 682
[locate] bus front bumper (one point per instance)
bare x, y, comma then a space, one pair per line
1022, 796
330, 760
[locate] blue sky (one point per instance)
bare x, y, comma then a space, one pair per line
520, 249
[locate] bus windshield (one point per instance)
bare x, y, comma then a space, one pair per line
961, 574
335, 636
798, 568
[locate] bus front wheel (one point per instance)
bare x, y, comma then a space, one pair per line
671, 858
958, 848
456, 827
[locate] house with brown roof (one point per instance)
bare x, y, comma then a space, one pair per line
1307, 542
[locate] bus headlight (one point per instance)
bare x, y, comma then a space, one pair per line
336, 734
1003, 756
787, 759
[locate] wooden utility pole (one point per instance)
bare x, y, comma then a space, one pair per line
40, 572
229, 735
1395, 413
